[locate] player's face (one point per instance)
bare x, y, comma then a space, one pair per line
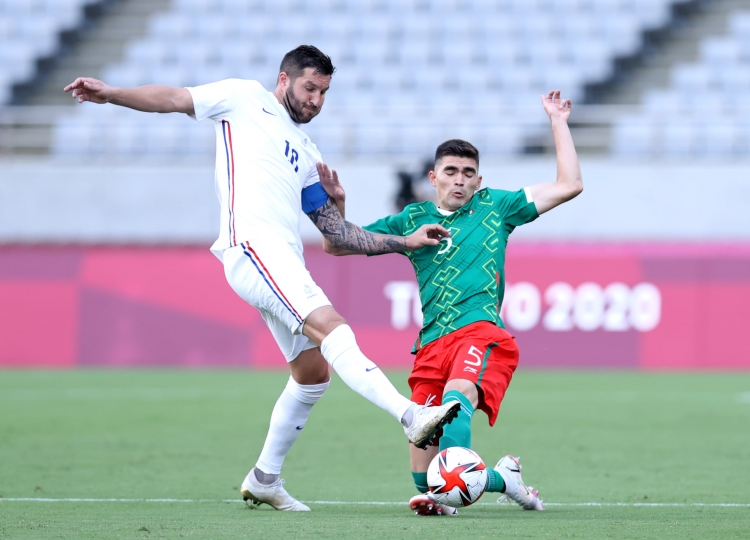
305, 95
455, 179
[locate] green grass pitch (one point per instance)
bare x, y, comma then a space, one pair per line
656, 443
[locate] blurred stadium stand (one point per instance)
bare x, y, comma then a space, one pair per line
30, 31
701, 110
411, 73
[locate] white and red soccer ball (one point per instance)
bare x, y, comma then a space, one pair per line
457, 476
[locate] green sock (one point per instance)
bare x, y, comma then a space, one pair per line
495, 482
458, 432
420, 480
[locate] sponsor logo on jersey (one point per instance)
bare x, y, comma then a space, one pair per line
309, 291
265, 111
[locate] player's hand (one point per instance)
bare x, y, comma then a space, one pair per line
329, 179
556, 108
426, 235
88, 89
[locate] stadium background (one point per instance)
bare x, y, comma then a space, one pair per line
630, 303
106, 215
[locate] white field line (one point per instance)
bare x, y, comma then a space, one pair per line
365, 503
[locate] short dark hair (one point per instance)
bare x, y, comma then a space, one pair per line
306, 56
458, 148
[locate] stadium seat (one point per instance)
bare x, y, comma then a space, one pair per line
663, 102
124, 75
168, 26
501, 52
691, 78
679, 137
190, 54
720, 139
374, 138
407, 64
591, 58
651, 13
720, 51
739, 24
633, 137
147, 54
502, 139
460, 52
732, 80
622, 33
212, 28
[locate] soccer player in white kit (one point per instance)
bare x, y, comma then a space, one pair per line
266, 172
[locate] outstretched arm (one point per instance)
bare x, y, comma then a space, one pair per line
341, 237
569, 181
151, 98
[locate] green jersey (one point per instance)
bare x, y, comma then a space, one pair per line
462, 280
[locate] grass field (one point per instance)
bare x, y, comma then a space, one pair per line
649, 448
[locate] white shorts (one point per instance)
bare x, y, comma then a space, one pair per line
271, 276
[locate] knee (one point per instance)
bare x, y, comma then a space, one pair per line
322, 322
321, 377
332, 323
307, 393
464, 386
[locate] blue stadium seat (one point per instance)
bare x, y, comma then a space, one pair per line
680, 136
633, 136
720, 51
720, 139
401, 62
691, 78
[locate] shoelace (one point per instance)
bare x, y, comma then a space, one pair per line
505, 499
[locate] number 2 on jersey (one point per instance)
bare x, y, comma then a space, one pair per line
294, 156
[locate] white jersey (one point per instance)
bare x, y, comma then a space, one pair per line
265, 164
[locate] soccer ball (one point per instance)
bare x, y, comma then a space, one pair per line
457, 476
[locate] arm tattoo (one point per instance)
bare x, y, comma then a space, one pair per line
342, 234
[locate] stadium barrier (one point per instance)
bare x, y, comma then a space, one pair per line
582, 306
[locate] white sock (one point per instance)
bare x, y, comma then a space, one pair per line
340, 349
287, 420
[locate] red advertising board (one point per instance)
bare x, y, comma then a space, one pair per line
590, 306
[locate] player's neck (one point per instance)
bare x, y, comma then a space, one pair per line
278, 93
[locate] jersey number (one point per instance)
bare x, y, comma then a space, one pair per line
476, 353
293, 157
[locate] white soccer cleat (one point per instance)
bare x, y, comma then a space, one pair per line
428, 420
273, 494
515, 490
425, 504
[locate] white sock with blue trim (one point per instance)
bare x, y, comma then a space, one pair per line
288, 418
341, 351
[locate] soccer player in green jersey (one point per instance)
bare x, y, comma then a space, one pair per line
463, 352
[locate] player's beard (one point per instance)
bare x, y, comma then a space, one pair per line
296, 108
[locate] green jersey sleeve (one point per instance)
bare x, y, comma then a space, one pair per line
387, 225
517, 207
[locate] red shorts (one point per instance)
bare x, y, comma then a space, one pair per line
480, 352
